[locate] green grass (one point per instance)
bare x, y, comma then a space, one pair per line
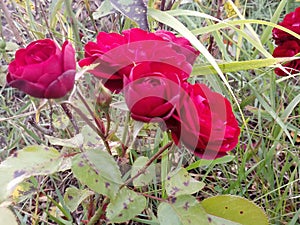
266, 163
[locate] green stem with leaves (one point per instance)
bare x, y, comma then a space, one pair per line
150, 161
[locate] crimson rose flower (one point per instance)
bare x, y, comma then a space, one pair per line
118, 53
291, 22
152, 90
204, 123
43, 70
288, 49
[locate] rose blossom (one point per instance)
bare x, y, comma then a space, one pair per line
204, 123
291, 22
43, 70
152, 90
118, 53
288, 49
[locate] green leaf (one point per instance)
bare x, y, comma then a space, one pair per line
31, 161
11, 46
182, 210
98, 170
180, 182
236, 209
290, 107
125, 206
23, 191
91, 139
147, 176
104, 9
74, 142
211, 163
7, 217
136, 10
61, 121
73, 197
220, 221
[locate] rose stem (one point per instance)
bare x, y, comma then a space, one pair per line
108, 121
102, 135
154, 157
70, 116
98, 213
87, 120
51, 115
97, 120
125, 131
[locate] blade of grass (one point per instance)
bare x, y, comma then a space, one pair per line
269, 109
239, 65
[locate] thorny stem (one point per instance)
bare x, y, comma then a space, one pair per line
97, 120
70, 116
152, 197
85, 103
108, 121
150, 161
51, 115
87, 120
125, 131
99, 129
98, 213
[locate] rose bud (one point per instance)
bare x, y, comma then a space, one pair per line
104, 99
43, 70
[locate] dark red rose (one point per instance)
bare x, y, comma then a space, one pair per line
118, 53
291, 22
188, 50
152, 90
204, 123
288, 49
43, 70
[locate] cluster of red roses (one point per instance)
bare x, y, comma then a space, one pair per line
151, 70
288, 45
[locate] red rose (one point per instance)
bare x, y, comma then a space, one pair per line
204, 123
118, 53
288, 49
291, 22
43, 70
189, 51
152, 90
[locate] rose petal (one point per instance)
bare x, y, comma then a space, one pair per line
68, 56
33, 89
62, 85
